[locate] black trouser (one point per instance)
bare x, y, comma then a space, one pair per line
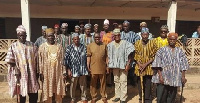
166, 93
33, 97
131, 75
146, 88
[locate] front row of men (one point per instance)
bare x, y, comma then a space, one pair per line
164, 65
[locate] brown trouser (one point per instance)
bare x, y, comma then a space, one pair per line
93, 87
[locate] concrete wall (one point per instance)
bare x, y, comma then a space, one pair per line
74, 12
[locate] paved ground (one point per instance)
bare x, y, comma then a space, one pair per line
190, 94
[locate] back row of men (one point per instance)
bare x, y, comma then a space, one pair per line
158, 60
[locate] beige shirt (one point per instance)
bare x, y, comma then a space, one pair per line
98, 54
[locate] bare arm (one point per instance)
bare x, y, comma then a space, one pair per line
88, 63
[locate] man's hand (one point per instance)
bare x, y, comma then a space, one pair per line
161, 80
69, 73
107, 70
184, 80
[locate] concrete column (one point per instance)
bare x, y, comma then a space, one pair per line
26, 17
171, 19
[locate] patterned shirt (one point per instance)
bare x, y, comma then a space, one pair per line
86, 40
131, 36
106, 37
144, 53
76, 60
63, 40
118, 53
39, 41
172, 64
25, 58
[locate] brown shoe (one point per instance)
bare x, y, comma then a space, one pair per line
105, 101
85, 101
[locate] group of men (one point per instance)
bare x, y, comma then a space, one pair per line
57, 55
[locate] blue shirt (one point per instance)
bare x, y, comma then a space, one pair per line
131, 37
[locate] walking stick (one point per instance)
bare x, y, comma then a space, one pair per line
181, 93
141, 81
18, 89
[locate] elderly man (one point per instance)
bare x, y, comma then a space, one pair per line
96, 63
118, 61
22, 67
171, 63
196, 34
77, 29
51, 68
145, 50
144, 25
76, 63
95, 29
57, 30
86, 38
42, 38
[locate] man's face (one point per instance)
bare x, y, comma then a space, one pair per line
77, 30
50, 37
120, 27
43, 32
76, 40
163, 33
105, 26
95, 29
87, 31
56, 30
82, 28
198, 30
145, 36
117, 37
64, 30
97, 38
172, 40
126, 27
22, 37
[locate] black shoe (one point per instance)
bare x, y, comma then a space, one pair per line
109, 85
116, 100
122, 101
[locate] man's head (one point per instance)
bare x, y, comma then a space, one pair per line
75, 38
50, 36
57, 29
81, 24
145, 34
43, 30
198, 29
97, 38
77, 29
126, 26
64, 28
106, 25
87, 29
115, 25
172, 38
21, 33
164, 31
120, 27
96, 26
117, 35
143, 24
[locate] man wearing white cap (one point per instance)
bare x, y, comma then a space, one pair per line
95, 29
119, 61
144, 24
22, 67
86, 38
76, 64
42, 38
77, 29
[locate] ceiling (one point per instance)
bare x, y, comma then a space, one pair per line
183, 4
